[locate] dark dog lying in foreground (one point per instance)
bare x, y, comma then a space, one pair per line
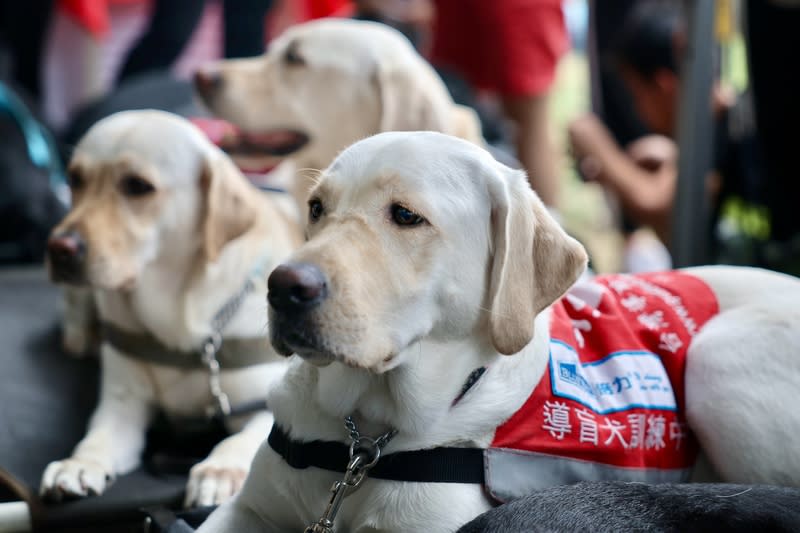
619, 506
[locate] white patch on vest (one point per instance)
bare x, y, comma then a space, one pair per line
618, 382
587, 293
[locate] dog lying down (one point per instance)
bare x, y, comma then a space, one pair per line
321, 86
426, 306
175, 243
618, 506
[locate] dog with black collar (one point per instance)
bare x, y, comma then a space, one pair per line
426, 259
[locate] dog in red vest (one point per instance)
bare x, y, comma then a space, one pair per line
446, 359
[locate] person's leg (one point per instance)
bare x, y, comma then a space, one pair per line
23, 26
244, 22
171, 26
533, 37
535, 147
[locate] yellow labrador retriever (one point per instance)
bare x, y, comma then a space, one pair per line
427, 259
323, 85
174, 243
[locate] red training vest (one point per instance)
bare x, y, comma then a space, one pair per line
610, 405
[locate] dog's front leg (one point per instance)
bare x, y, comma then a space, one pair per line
235, 516
221, 475
267, 503
115, 439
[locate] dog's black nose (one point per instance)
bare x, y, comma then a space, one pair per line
67, 252
207, 81
296, 287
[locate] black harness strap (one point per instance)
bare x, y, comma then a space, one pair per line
234, 353
435, 465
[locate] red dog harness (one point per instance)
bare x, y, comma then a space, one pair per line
611, 403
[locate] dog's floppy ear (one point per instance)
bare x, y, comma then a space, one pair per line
411, 98
467, 124
534, 262
229, 204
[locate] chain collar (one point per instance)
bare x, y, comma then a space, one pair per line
359, 442
364, 454
212, 344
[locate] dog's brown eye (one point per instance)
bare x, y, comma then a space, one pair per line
75, 180
136, 186
293, 57
315, 209
405, 217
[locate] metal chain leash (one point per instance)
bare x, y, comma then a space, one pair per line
221, 405
231, 307
364, 454
212, 345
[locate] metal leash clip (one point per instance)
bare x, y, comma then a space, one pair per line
222, 406
364, 454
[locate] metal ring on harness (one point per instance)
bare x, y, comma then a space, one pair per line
374, 450
211, 346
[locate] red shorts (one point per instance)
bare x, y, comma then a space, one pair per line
507, 46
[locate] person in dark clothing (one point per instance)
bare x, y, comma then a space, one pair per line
610, 97
173, 22
647, 55
610, 101
772, 35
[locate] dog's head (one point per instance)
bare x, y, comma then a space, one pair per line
146, 186
418, 235
321, 86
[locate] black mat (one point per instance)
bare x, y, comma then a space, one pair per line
46, 398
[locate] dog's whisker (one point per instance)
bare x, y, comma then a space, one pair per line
314, 174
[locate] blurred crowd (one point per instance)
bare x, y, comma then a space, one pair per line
66, 63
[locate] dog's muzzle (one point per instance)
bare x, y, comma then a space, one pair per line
295, 289
66, 253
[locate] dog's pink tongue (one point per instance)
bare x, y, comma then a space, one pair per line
219, 131
270, 138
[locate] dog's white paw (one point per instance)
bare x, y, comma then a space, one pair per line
74, 478
213, 482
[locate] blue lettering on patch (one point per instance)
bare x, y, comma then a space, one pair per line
618, 382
